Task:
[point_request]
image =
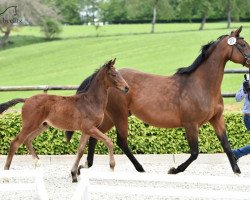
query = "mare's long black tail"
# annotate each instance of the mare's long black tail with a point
(6, 105)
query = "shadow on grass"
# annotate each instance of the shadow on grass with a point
(24, 40)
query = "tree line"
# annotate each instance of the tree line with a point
(47, 13)
(139, 11)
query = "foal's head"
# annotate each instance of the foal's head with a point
(239, 51)
(113, 78)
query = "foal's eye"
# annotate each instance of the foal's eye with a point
(243, 45)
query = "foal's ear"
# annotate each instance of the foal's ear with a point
(109, 64)
(237, 32)
(113, 62)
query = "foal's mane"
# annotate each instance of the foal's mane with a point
(206, 51)
(86, 83)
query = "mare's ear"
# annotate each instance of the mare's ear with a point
(236, 33)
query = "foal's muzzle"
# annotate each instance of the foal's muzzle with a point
(126, 89)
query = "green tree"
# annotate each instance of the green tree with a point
(91, 9)
(204, 9)
(51, 28)
(195, 9)
(113, 10)
(185, 9)
(68, 9)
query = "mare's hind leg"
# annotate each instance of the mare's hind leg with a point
(28, 143)
(218, 124)
(83, 141)
(192, 138)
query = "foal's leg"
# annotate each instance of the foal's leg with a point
(28, 143)
(19, 139)
(94, 132)
(83, 141)
(218, 124)
(192, 138)
(106, 125)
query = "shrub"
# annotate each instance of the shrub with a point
(51, 28)
(142, 139)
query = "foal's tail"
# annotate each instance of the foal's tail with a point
(6, 105)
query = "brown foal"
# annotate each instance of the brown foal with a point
(83, 112)
(189, 98)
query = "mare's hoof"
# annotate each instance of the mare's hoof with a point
(86, 165)
(172, 171)
(140, 169)
(237, 170)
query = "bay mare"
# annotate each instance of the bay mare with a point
(83, 112)
(189, 98)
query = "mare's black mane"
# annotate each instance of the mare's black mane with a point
(206, 50)
(86, 83)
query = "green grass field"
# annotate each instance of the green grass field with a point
(78, 51)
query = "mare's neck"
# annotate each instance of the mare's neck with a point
(211, 70)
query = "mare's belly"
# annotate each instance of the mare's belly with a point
(158, 118)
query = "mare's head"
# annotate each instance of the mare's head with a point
(238, 48)
(113, 78)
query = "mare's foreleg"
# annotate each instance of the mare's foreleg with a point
(83, 141)
(192, 138)
(91, 152)
(218, 124)
(122, 142)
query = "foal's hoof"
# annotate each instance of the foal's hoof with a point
(6, 180)
(38, 163)
(74, 177)
(79, 169)
(112, 164)
(172, 171)
(74, 180)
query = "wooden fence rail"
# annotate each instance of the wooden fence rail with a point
(45, 88)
